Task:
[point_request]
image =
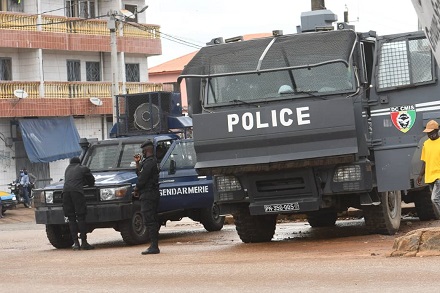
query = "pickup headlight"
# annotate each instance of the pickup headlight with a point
(48, 196)
(227, 183)
(113, 193)
(347, 173)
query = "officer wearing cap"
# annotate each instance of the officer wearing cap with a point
(147, 188)
(431, 163)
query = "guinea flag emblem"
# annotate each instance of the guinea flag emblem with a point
(403, 117)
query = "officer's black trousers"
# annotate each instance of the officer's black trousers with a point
(149, 204)
(75, 209)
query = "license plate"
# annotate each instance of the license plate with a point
(283, 207)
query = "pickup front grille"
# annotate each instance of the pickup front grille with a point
(92, 195)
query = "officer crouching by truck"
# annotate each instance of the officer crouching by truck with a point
(147, 189)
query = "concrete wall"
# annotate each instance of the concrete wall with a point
(129, 58)
(27, 66)
(102, 7)
(143, 65)
(56, 7)
(55, 64)
(7, 156)
(24, 63)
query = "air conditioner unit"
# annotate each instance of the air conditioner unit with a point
(146, 113)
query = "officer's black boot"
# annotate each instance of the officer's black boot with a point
(154, 237)
(83, 233)
(74, 233)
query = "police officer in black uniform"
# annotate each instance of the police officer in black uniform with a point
(147, 188)
(74, 201)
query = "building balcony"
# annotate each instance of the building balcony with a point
(64, 98)
(21, 30)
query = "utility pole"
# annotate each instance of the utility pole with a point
(318, 4)
(111, 24)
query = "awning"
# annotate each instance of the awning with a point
(50, 139)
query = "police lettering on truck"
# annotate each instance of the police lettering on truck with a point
(184, 190)
(283, 117)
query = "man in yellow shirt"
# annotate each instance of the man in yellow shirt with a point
(431, 163)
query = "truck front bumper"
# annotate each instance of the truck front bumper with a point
(95, 213)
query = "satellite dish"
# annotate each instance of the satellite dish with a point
(144, 119)
(21, 94)
(127, 13)
(96, 101)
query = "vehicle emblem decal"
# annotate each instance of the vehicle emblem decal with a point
(403, 117)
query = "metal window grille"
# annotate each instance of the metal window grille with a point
(13, 6)
(421, 61)
(132, 72)
(5, 69)
(403, 63)
(393, 65)
(93, 72)
(80, 8)
(73, 70)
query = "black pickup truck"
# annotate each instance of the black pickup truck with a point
(110, 203)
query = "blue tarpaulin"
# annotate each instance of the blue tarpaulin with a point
(50, 139)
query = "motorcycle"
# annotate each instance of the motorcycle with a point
(17, 189)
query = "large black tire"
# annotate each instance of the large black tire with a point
(384, 218)
(424, 206)
(59, 235)
(133, 231)
(211, 219)
(254, 229)
(322, 218)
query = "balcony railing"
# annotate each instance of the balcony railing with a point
(62, 24)
(65, 90)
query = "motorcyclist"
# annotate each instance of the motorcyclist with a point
(32, 179)
(24, 182)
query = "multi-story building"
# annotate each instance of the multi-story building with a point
(55, 55)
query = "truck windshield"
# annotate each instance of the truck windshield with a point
(107, 157)
(287, 84)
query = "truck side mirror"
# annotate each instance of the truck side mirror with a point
(172, 169)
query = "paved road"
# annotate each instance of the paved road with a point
(300, 259)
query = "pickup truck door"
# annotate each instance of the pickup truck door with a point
(180, 185)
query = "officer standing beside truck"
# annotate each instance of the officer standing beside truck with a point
(431, 163)
(74, 201)
(147, 188)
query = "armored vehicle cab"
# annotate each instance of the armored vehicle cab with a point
(314, 123)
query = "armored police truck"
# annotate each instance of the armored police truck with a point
(110, 203)
(314, 123)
